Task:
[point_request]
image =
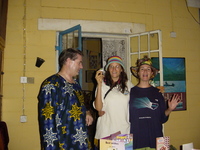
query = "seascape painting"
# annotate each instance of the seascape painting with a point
(174, 78)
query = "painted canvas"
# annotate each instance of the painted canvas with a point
(174, 78)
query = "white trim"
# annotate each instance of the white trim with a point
(57, 65)
(91, 26)
(148, 51)
(101, 29)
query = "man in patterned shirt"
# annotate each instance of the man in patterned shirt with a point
(62, 115)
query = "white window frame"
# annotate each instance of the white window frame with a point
(148, 51)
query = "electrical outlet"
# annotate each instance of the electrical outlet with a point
(23, 118)
(30, 80)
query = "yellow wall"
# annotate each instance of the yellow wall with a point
(169, 15)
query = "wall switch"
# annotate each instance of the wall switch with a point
(23, 118)
(23, 79)
(173, 34)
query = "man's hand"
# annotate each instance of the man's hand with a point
(89, 118)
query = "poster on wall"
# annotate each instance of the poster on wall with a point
(174, 78)
(114, 47)
(93, 61)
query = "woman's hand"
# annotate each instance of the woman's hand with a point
(174, 101)
(98, 99)
(99, 76)
(101, 113)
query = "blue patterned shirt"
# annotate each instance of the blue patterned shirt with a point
(61, 115)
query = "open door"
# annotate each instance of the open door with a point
(147, 43)
(70, 38)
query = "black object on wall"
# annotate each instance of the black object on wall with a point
(39, 62)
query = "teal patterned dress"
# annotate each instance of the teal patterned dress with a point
(61, 115)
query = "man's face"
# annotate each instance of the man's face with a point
(76, 65)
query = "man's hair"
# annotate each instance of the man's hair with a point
(68, 53)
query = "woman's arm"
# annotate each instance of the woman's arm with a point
(98, 99)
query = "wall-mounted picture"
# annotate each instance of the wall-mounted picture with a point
(174, 78)
(93, 64)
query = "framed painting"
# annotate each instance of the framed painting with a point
(174, 78)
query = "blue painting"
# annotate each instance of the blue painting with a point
(174, 78)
